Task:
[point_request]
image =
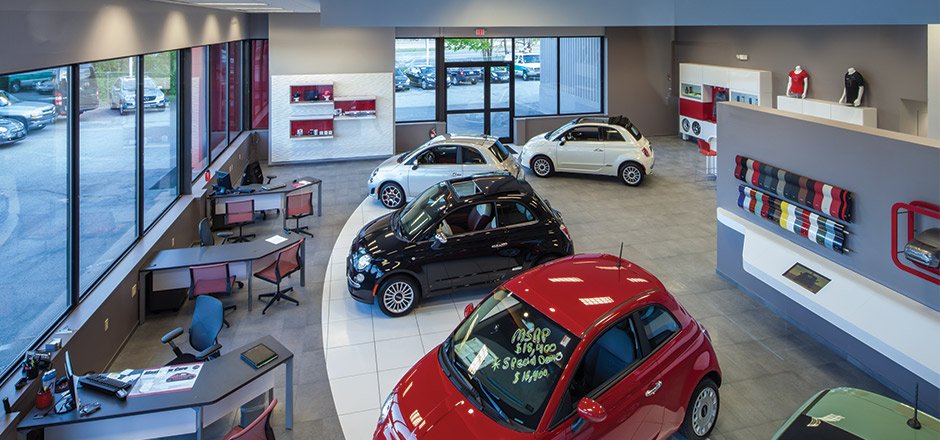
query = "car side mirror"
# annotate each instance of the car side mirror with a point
(415, 166)
(561, 141)
(439, 239)
(468, 310)
(591, 411)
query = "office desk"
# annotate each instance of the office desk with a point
(264, 200)
(224, 384)
(176, 262)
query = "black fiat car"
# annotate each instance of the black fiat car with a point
(469, 232)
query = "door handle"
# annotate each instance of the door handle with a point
(599, 150)
(455, 174)
(654, 389)
(499, 245)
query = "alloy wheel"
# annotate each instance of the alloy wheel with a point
(391, 196)
(541, 166)
(704, 411)
(631, 174)
(398, 297)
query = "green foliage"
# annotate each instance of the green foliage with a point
(482, 45)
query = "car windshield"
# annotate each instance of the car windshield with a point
(635, 132)
(7, 99)
(554, 134)
(514, 354)
(422, 211)
(427, 70)
(500, 151)
(530, 59)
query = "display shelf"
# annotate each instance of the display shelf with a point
(691, 91)
(311, 94)
(350, 118)
(305, 138)
(327, 117)
(865, 116)
(311, 128)
(313, 103)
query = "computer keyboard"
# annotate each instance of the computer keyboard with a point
(105, 384)
(273, 187)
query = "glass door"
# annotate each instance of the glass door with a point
(479, 99)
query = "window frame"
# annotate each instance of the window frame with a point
(438, 43)
(499, 225)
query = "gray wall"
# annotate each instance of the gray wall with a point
(878, 166)
(933, 80)
(624, 12)
(299, 45)
(893, 59)
(410, 135)
(46, 33)
(639, 77)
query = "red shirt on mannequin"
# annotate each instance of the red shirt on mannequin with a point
(796, 81)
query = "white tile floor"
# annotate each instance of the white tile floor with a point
(367, 353)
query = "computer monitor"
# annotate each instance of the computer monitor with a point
(69, 402)
(223, 182)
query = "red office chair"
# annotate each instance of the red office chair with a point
(298, 206)
(259, 429)
(239, 214)
(288, 261)
(214, 280)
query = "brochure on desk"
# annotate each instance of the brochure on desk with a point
(168, 379)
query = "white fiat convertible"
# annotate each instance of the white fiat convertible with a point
(407, 175)
(593, 145)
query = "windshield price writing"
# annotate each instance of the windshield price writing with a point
(533, 354)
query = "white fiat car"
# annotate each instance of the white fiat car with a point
(593, 145)
(447, 156)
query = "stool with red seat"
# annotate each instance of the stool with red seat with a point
(711, 164)
(259, 429)
(214, 280)
(288, 261)
(298, 206)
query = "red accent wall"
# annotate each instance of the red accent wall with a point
(695, 109)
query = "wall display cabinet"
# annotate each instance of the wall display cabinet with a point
(703, 86)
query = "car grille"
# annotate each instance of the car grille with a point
(149, 98)
(48, 112)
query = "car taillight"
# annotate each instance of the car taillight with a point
(58, 99)
(646, 152)
(564, 229)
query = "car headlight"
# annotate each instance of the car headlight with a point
(36, 114)
(363, 261)
(386, 407)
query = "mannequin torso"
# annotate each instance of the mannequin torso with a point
(797, 82)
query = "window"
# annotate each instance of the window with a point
(218, 105)
(580, 75)
(260, 78)
(469, 219)
(234, 90)
(472, 157)
(536, 76)
(108, 172)
(585, 134)
(161, 134)
(415, 94)
(658, 324)
(34, 209)
(439, 155)
(509, 214)
(477, 49)
(612, 134)
(199, 112)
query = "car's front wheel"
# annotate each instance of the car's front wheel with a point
(702, 412)
(391, 195)
(631, 173)
(542, 166)
(398, 296)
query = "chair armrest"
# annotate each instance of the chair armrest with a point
(203, 355)
(173, 334)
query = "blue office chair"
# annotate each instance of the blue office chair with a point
(203, 332)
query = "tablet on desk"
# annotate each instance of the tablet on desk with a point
(259, 356)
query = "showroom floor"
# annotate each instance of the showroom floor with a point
(667, 226)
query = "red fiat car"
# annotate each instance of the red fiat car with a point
(585, 347)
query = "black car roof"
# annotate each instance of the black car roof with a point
(492, 184)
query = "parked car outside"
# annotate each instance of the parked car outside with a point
(11, 131)
(591, 145)
(851, 413)
(406, 175)
(32, 114)
(464, 75)
(45, 87)
(18, 82)
(124, 92)
(527, 65)
(499, 74)
(460, 233)
(401, 81)
(87, 86)
(422, 77)
(584, 347)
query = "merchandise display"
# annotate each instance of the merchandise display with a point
(797, 82)
(920, 243)
(827, 199)
(406, 175)
(800, 221)
(591, 145)
(454, 235)
(620, 347)
(854, 88)
(703, 86)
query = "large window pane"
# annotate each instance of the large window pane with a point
(161, 133)
(199, 112)
(259, 84)
(33, 206)
(477, 49)
(234, 89)
(580, 75)
(108, 171)
(415, 94)
(536, 76)
(218, 102)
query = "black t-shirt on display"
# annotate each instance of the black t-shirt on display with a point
(852, 83)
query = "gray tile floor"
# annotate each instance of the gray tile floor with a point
(667, 226)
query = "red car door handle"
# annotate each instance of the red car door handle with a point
(656, 386)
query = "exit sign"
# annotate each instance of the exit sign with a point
(480, 32)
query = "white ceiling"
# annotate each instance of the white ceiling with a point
(253, 6)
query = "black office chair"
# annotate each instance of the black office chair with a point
(255, 175)
(205, 234)
(203, 332)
